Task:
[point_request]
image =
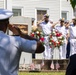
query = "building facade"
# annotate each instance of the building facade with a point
(36, 9)
(7, 4)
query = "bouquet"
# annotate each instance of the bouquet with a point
(38, 34)
(56, 39)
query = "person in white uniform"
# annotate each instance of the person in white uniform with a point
(46, 29)
(12, 46)
(62, 49)
(67, 24)
(71, 68)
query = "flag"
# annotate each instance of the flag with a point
(57, 65)
(42, 63)
(52, 65)
(32, 66)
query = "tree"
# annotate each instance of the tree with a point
(73, 3)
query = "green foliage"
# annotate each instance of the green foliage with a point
(73, 3)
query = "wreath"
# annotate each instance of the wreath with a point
(37, 34)
(56, 39)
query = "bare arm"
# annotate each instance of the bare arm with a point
(38, 23)
(53, 25)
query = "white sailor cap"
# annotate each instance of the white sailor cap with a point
(51, 20)
(46, 15)
(5, 14)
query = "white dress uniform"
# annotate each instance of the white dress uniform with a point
(62, 49)
(46, 28)
(10, 52)
(71, 68)
(11, 48)
(72, 40)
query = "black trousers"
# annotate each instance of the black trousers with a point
(33, 56)
(71, 68)
(68, 49)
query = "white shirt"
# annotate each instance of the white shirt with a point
(62, 30)
(10, 52)
(46, 27)
(72, 40)
(72, 32)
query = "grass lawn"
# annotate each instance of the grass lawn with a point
(44, 73)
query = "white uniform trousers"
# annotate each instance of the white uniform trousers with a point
(47, 53)
(72, 46)
(62, 51)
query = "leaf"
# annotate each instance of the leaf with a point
(73, 3)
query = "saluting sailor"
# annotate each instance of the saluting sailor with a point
(46, 27)
(62, 49)
(11, 47)
(67, 24)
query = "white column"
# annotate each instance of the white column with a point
(60, 7)
(4, 4)
(35, 23)
(8, 4)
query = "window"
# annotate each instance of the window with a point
(17, 12)
(40, 14)
(64, 15)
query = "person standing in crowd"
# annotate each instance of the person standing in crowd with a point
(62, 49)
(33, 28)
(68, 39)
(71, 68)
(46, 27)
(12, 46)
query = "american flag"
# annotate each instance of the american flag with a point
(52, 65)
(57, 65)
(32, 66)
(42, 63)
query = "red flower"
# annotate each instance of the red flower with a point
(42, 39)
(50, 46)
(32, 34)
(52, 41)
(38, 35)
(58, 34)
(55, 44)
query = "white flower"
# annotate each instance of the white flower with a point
(57, 42)
(50, 43)
(53, 32)
(62, 41)
(60, 37)
(37, 32)
(41, 33)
